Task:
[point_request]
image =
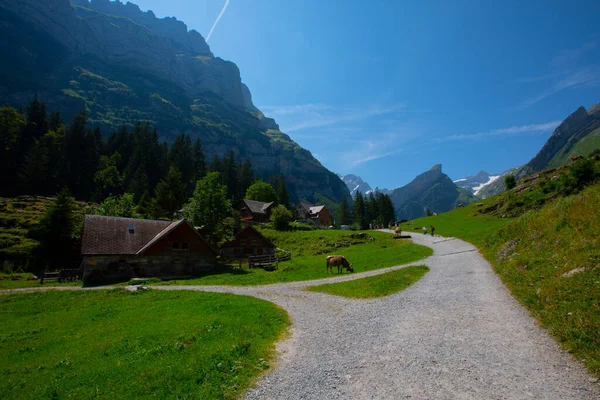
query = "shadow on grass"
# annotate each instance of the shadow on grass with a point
(122, 281)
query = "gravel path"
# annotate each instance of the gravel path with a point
(455, 334)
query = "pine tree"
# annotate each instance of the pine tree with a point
(199, 163)
(76, 146)
(359, 210)
(56, 233)
(282, 192)
(245, 179)
(12, 123)
(181, 157)
(170, 192)
(36, 127)
(34, 172)
(344, 212)
(231, 176)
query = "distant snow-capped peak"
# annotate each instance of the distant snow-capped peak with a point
(476, 182)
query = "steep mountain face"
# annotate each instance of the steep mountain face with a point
(573, 129)
(355, 183)
(476, 183)
(431, 190)
(123, 65)
(579, 134)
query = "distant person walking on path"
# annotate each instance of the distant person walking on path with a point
(424, 230)
(432, 230)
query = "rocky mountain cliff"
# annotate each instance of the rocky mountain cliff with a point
(123, 65)
(431, 190)
(578, 134)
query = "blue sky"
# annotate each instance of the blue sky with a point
(386, 89)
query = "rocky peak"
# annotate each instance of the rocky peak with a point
(168, 27)
(560, 137)
(594, 110)
(431, 190)
(356, 184)
(573, 121)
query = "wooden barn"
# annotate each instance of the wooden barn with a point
(318, 214)
(122, 248)
(252, 211)
(248, 242)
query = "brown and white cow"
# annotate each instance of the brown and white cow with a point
(340, 262)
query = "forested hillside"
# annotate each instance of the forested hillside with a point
(39, 154)
(124, 66)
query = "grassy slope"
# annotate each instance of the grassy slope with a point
(113, 344)
(583, 147)
(464, 223)
(533, 251)
(309, 249)
(532, 254)
(17, 216)
(374, 286)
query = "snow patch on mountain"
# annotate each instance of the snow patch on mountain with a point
(477, 189)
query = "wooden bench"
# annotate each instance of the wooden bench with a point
(49, 276)
(64, 275)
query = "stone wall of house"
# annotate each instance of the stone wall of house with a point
(103, 268)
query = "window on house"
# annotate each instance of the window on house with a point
(181, 246)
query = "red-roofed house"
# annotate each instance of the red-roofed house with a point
(122, 248)
(318, 214)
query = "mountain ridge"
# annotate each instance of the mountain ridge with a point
(567, 140)
(76, 56)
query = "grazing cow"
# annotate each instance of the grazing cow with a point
(575, 158)
(340, 262)
(398, 231)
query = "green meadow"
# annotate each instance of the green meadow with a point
(374, 286)
(367, 251)
(116, 344)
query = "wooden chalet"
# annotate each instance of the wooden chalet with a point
(248, 242)
(318, 214)
(122, 248)
(252, 211)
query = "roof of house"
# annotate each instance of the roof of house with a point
(160, 235)
(316, 209)
(124, 236)
(244, 232)
(305, 206)
(257, 207)
(310, 209)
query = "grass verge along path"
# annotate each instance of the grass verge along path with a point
(548, 257)
(117, 344)
(374, 286)
(382, 252)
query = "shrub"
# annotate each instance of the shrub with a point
(510, 182)
(281, 217)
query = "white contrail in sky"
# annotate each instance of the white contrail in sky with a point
(217, 20)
